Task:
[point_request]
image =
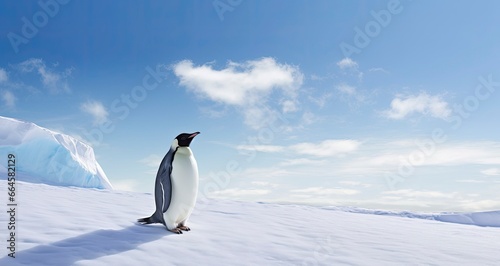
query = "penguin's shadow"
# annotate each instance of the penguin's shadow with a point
(88, 246)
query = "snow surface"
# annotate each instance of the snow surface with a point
(77, 226)
(489, 218)
(45, 156)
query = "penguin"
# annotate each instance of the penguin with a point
(176, 186)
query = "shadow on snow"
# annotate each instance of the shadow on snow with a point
(88, 246)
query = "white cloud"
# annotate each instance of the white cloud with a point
(322, 191)
(125, 185)
(350, 95)
(265, 172)
(308, 118)
(264, 184)
(471, 181)
(378, 69)
(244, 85)
(261, 148)
(97, 110)
(382, 158)
(491, 171)
(321, 100)
(213, 111)
(419, 194)
(346, 89)
(257, 117)
(347, 63)
(3, 75)
(327, 148)
(54, 81)
(9, 99)
(289, 106)
(423, 103)
(235, 192)
(316, 77)
(239, 83)
(480, 205)
(354, 183)
(467, 153)
(152, 160)
(302, 161)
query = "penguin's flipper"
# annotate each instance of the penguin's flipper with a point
(163, 190)
(163, 187)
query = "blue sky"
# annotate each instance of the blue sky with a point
(375, 104)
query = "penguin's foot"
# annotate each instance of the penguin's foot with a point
(176, 231)
(183, 228)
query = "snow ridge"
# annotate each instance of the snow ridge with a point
(488, 218)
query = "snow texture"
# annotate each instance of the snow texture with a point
(45, 156)
(77, 226)
(489, 218)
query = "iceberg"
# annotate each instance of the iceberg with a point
(46, 156)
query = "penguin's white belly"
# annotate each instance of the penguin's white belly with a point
(184, 179)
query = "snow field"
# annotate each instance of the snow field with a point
(77, 226)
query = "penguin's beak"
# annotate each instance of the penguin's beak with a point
(193, 135)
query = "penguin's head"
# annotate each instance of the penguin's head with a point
(184, 139)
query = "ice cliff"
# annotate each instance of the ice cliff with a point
(45, 156)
